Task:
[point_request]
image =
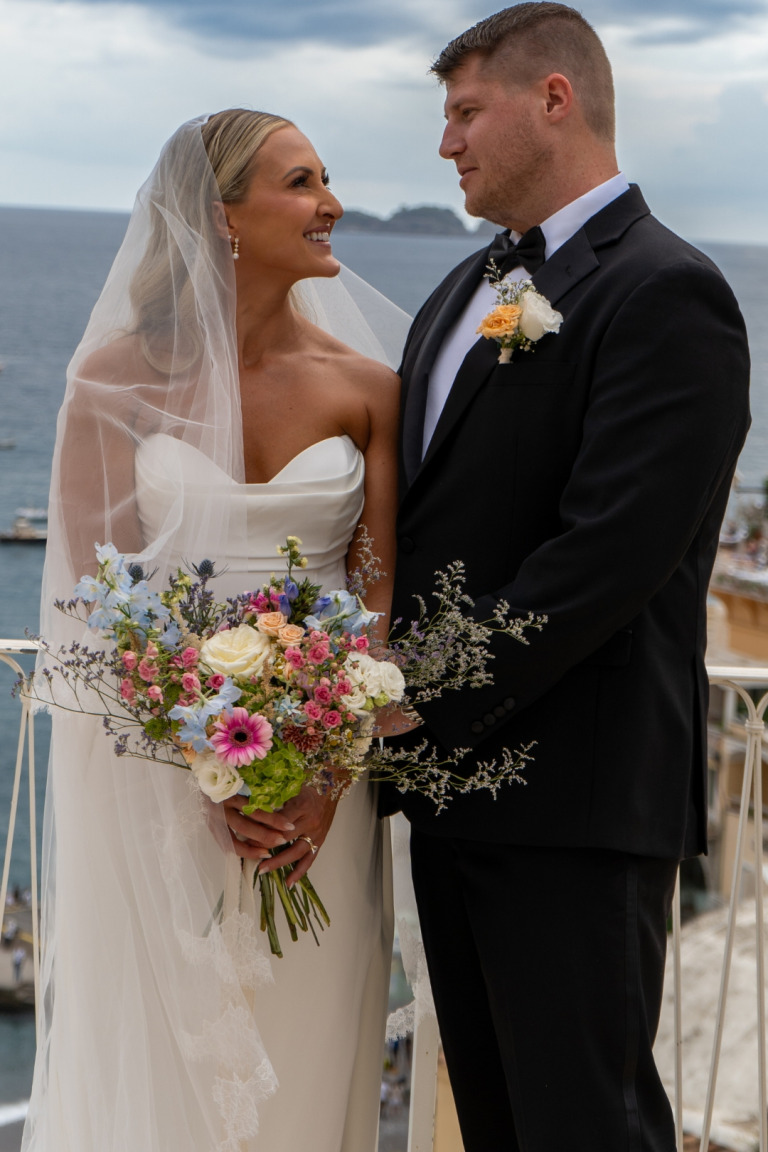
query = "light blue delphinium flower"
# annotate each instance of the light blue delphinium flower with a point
(224, 700)
(170, 637)
(343, 607)
(112, 567)
(194, 717)
(192, 730)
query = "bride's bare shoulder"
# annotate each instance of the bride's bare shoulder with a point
(350, 364)
(121, 361)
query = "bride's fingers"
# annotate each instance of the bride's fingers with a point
(300, 853)
(274, 820)
(246, 829)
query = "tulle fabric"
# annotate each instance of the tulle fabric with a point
(148, 1039)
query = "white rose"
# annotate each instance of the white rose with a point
(217, 780)
(538, 316)
(363, 670)
(379, 676)
(239, 652)
(391, 680)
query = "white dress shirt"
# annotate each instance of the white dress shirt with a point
(463, 334)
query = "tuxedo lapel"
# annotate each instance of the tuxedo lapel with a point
(572, 263)
(417, 378)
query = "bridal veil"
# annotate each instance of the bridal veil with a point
(148, 1041)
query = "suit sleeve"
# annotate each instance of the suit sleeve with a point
(666, 418)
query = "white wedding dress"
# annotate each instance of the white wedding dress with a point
(320, 1016)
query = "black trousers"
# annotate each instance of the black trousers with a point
(547, 968)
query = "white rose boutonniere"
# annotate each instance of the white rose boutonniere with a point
(521, 317)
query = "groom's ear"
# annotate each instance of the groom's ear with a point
(220, 219)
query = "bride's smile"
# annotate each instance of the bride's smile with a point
(284, 221)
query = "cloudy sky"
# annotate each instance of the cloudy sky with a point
(91, 89)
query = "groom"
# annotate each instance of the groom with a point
(585, 480)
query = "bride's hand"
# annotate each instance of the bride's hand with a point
(312, 815)
(301, 824)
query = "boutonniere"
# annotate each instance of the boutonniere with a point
(521, 317)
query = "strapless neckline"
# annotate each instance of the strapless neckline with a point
(294, 460)
(294, 464)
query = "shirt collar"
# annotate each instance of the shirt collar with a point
(564, 223)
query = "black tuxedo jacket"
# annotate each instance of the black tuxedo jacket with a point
(586, 480)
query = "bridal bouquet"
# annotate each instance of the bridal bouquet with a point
(271, 690)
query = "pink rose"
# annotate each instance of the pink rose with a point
(323, 694)
(318, 637)
(313, 710)
(130, 660)
(127, 690)
(155, 692)
(215, 681)
(332, 719)
(147, 671)
(294, 657)
(342, 687)
(190, 682)
(318, 653)
(190, 657)
(361, 643)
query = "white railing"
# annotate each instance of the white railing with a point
(9, 649)
(738, 680)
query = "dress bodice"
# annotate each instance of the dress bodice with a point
(317, 496)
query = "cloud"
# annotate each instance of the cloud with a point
(229, 26)
(92, 89)
(338, 22)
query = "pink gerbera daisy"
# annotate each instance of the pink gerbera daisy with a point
(240, 738)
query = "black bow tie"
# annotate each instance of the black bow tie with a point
(529, 251)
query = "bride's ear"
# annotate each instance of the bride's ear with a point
(220, 219)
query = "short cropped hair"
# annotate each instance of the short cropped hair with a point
(532, 40)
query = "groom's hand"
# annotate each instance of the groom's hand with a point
(394, 722)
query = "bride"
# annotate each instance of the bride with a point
(212, 409)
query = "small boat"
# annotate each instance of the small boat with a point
(7, 442)
(32, 513)
(24, 531)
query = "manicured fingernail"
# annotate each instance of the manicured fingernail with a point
(290, 827)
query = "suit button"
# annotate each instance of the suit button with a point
(477, 727)
(509, 703)
(489, 719)
(407, 545)
(500, 711)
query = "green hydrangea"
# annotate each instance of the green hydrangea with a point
(275, 779)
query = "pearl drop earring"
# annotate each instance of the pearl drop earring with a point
(235, 242)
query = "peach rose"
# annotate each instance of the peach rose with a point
(503, 321)
(270, 623)
(289, 635)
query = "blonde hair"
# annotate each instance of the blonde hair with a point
(232, 140)
(181, 194)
